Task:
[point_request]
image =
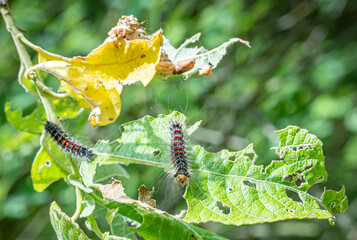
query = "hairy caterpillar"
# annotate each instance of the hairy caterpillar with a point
(178, 153)
(66, 142)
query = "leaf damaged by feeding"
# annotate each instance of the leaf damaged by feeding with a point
(192, 61)
(145, 196)
(335, 201)
(250, 184)
(115, 192)
(254, 193)
(224, 208)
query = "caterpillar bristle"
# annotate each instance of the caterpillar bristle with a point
(66, 142)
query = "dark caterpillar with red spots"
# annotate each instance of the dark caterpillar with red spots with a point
(178, 153)
(67, 143)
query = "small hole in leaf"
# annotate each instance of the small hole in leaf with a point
(192, 236)
(289, 210)
(232, 158)
(300, 181)
(293, 195)
(309, 167)
(288, 178)
(230, 189)
(319, 179)
(250, 184)
(300, 147)
(332, 204)
(250, 156)
(224, 208)
(156, 153)
(110, 119)
(48, 163)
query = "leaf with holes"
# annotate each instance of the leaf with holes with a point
(227, 186)
(48, 167)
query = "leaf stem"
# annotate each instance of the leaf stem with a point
(94, 226)
(79, 197)
(79, 204)
(97, 198)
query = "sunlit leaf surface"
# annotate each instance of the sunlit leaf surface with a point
(227, 186)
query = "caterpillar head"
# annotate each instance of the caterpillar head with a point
(181, 179)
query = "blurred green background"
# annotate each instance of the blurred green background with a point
(301, 70)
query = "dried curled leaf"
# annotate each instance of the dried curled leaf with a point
(115, 192)
(193, 61)
(99, 77)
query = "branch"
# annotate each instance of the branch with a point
(17, 36)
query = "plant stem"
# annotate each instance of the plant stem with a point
(79, 197)
(23, 54)
(25, 58)
(94, 226)
(79, 204)
(97, 198)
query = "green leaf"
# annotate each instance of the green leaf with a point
(66, 107)
(227, 186)
(119, 226)
(204, 60)
(88, 207)
(335, 202)
(91, 171)
(106, 236)
(74, 181)
(32, 123)
(64, 226)
(105, 172)
(148, 222)
(46, 168)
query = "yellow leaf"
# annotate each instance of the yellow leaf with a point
(99, 77)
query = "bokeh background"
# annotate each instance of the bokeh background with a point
(301, 70)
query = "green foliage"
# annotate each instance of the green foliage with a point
(46, 168)
(153, 223)
(300, 71)
(32, 123)
(64, 226)
(227, 186)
